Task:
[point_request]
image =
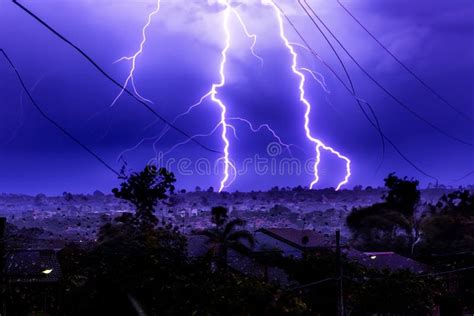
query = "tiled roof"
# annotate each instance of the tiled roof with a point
(25, 266)
(386, 260)
(302, 239)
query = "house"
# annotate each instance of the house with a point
(239, 260)
(386, 261)
(294, 242)
(291, 241)
(31, 266)
(30, 280)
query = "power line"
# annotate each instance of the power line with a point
(52, 121)
(103, 72)
(447, 272)
(467, 175)
(311, 284)
(378, 84)
(410, 71)
(308, 47)
(353, 91)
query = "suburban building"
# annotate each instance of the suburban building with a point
(30, 280)
(294, 242)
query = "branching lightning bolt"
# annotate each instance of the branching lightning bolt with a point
(248, 34)
(295, 69)
(261, 127)
(133, 58)
(212, 94)
(319, 78)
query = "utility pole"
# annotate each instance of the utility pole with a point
(340, 299)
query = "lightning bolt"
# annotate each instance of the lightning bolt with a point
(253, 37)
(261, 127)
(133, 58)
(212, 132)
(212, 94)
(319, 78)
(229, 170)
(302, 97)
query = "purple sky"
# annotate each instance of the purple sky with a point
(180, 62)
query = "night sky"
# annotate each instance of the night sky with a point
(180, 62)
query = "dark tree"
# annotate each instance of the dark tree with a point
(366, 291)
(403, 194)
(392, 224)
(450, 228)
(226, 234)
(219, 215)
(145, 189)
(398, 292)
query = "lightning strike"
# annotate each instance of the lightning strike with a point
(212, 94)
(214, 97)
(229, 169)
(188, 140)
(302, 96)
(253, 37)
(319, 78)
(133, 58)
(264, 126)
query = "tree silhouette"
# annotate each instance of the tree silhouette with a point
(391, 224)
(403, 194)
(219, 215)
(449, 229)
(226, 234)
(144, 190)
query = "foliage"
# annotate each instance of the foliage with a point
(450, 227)
(208, 292)
(395, 292)
(403, 194)
(226, 234)
(219, 215)
(315, 267)
(120, 265)
(153, 270)
(145, 189)
(137, 263)
(365, 291)
(391, 224)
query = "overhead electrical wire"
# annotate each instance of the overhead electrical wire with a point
(54, 122)
(388, 140)
(382, 87)
(404, 66)
(353, 92)
(109, 77)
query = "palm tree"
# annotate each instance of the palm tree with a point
(226, 234)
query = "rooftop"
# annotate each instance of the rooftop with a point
(300, 238)
(386, 260)
(28, 266)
